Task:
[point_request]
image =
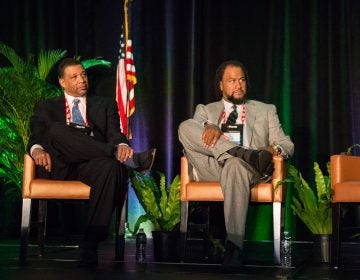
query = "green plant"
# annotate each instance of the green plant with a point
(160, 203)
(21, 85)
(314, 209)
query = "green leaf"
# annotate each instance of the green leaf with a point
(141, 219)
(164, 196)
(323, 193)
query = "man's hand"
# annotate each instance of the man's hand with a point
(210, 135)
(42, 158)
(124, 152)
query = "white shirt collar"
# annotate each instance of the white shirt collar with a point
(229, 106)
(71, 98)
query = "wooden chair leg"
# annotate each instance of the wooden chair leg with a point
(120, 232)
(277, 230)
(42, 214)
(25, 224)
(336, 236)
(183, 229)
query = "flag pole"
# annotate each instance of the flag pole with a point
(126, 20)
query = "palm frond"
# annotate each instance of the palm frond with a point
(88, 63)
(47, 60)
(16, 61)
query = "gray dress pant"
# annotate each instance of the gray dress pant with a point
(215, 164)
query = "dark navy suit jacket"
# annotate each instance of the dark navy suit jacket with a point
(102, 117)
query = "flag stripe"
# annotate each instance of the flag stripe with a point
(125, 77)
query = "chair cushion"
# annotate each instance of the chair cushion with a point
(347, 191)
(211, 191)
(53, 189)
(204, 191)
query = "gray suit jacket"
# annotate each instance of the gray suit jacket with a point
(262, 123)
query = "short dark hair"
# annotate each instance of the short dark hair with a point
(68, 61)
(220, 73)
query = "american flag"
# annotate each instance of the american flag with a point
(125, 78)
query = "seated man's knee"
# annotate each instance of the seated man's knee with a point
(234, 164)
(187, 129)
(183, 127)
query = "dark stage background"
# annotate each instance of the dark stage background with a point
(303, 56)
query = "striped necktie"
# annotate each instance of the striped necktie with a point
(75, 113)
(233, 116)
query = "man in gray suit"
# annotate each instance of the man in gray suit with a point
(233, 141)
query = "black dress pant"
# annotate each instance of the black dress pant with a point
(78, 156)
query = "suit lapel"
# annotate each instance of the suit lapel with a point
(218, 112)
(92, 112)
(57, 109)
(90, 108)
(250, 119)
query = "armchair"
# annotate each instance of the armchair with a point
(46, 189)
(211, 191)
(345, 188)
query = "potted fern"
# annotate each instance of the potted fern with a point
(312, 204)
(162, 207)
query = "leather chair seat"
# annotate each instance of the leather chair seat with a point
(211, 191)
(346, 192)
(54, 189)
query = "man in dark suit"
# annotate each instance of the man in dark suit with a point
(78, 137)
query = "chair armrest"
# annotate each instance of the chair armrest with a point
(28, 175)
(278, 175)
(184, 174)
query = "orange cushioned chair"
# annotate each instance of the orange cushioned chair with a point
(211, 191)
(46, 189)
(345, 187)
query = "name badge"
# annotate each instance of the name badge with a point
(233, 132)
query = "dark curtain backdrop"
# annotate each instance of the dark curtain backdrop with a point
(303, 56)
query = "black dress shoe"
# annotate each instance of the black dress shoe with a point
(142, 162)
(261, 160)
(233, 259)
(88, 258)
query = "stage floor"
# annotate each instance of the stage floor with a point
(59, 262)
